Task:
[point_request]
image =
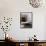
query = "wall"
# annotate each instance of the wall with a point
(12, 8)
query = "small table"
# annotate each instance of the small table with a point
(27, 42)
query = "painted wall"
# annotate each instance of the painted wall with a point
(12, 8)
